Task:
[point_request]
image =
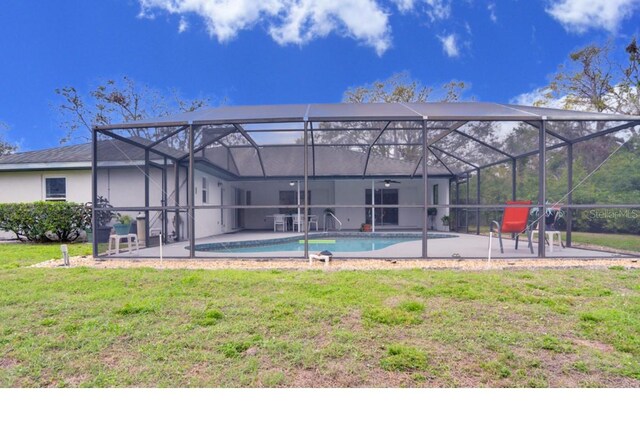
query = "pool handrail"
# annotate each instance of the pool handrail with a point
(334, 217)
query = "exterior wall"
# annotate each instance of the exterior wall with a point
(410, 193)
(29, 186)
(210, 222)
(344, 192)
(124, 187)
(268, 193)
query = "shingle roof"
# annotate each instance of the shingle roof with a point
(243, 161)
(329, 161)
(70, 153)
(108, 150)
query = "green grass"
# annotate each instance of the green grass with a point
(231, 328)
(627, 242)
(403, 358)
(14, 255)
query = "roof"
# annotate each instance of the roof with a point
(80, 154)
(239, 161)
(324, 161)
(371, 111)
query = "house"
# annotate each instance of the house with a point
(64, 173)
(218, 178)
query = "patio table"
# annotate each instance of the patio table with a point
(291, 216)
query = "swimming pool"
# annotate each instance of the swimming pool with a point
(356, 242)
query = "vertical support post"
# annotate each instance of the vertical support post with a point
(147, 217)
(164, 201)
(373, 205)
(191, 197)
(94, 190)
(466, 211)
(298, 204)
(425, 190)
(457, 210)
(176, 197)
(478, 203)
(569, 194)
(542, 187)
(514, 177)
(306, 189)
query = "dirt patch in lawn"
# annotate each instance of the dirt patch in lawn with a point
(7, 362)
(596, 345)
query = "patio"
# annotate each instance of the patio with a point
(464, 245)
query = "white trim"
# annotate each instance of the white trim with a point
(44, 187)
(65, 165)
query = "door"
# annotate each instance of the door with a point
(384, 215)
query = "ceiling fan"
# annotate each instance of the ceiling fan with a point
(388, 182)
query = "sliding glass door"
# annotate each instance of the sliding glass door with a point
(384, 215)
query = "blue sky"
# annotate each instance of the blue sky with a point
(286, 51)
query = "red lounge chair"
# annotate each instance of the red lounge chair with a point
(514, 220)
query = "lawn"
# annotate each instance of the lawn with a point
(14, 255)
(627, 242)
(232, 328)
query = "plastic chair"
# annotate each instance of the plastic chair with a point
(279, 219)
(313, 219)
(298, 222)
(514, 220)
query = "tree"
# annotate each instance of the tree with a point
(400, 88)
(117, 101)
(399, 140)
(6, 147)
(595, 80)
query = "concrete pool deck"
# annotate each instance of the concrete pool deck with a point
(458, 246)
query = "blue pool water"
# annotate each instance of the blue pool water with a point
(316, 244)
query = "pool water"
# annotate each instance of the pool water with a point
(333, 244)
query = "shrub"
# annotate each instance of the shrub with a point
(44, 221)
(103, 218)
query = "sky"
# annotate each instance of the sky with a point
(244, 52)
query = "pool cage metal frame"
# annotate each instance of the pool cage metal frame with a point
(235, 118)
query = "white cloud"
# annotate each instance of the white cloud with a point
(529, 98)
(450, 45)
(582, 15)
(492, 12)
(436, 10)
(183, 25)
(287, 21)
(404, 5)
(538, 98)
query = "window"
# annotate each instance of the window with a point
(289, 197)
(435, 194)
(55, 188)
(205, 191)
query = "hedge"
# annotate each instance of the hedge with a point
(45, 221)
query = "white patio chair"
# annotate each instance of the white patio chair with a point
(313, 219)
(279, 219)
(298, 222)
